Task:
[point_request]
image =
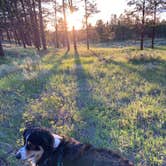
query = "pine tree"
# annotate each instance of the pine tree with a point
(73, 8)
(1, 48)
(155, 6)
(140, 7)
(90, 9)
(65, 24)
(56, 10)
(42, 33)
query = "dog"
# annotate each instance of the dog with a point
(43, 148)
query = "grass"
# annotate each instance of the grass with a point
(110, 97)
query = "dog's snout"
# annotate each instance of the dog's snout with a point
(18, 155)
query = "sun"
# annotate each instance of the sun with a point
(74, 19)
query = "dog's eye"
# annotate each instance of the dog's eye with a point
(30, 145)
(37, 148)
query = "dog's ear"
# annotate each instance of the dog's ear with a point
(28, 128)
(26, 132)
(48, 141)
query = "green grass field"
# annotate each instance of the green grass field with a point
(110, 97)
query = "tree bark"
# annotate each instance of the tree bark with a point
(154, 26)
(20, 23)
(142, 26)
(65, 26)
(43, 38)
(56, 25)
(74, 40)
(34, 23)
(1, 48)
(8, 36)
(27, 29)
(87, 29)
(17, 39)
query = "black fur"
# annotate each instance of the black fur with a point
(70, 152)
(39, 136)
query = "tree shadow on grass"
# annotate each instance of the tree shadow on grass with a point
(84, 97)
(151, 69)
(160, 48)
(28, 89)
(43, 52)
(89, 128)
(34, 87)
(16, 98)
(153, 72)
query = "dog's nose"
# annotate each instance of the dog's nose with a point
(18, 155)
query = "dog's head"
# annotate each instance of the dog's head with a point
(37, 141)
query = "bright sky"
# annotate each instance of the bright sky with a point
(106, 7)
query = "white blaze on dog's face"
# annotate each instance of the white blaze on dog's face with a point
(36, 142)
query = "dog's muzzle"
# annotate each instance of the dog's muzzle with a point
(21, 154)
(18, 155)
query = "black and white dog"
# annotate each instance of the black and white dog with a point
(43, 148)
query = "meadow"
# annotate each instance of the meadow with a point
(110, 97)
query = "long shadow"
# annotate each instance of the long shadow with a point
(160, 48)
(27, 90)
(84, 97)
(88, 108)
(87, 104)
(38, 84)
(151, 73)
(35, 87)
(17, 98)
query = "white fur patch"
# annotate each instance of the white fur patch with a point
(22, 151)
(57, 140)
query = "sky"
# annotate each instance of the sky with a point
(109, 7)
(106, 8)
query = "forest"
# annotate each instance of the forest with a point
(24, 23)
(66, 66)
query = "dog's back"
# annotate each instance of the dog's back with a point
(86, 155)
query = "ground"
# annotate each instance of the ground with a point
(110, 97)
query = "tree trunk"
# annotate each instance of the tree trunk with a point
(2, 37)
(5, 20)
(65, 26)
(74, 40)
(27, 31)
(20, 24)
(56, 26)
(17, 39)
(8, 36)
(87, 28)
(43, 39)
(1, 48)
(36, 26)
(34, 23)
(142, 26)
(56, 35)
(154, 27)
